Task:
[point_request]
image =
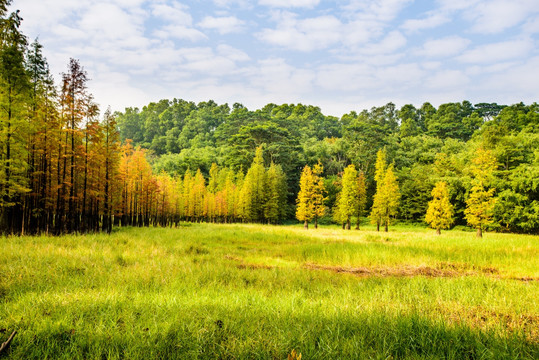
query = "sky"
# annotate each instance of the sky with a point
(340, 55)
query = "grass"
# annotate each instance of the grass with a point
(250, 291)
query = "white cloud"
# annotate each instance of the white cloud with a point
(433, 20)
(381, 10)
(232, 53)
(500, 51)
(444, 47)
(224, 25)
(389, 44)
(447, 80)
(177, 13)
(180, 32)
(498, 15)
(304, 35)
(289, 3)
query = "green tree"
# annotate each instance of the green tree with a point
(481, 201)
(319, 190)
(440, 211)
(348, 198)
(362, 197)
(377, 206)
(275, 201)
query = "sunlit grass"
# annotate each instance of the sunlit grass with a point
(251, 291)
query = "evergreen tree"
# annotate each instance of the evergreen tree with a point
(14, 127)
(319, 190)
(377, 206)
(305, 210)
(362, 196)
(348, 198)
(275, 194)
(386, 199)
(440, 211)
(481, 201)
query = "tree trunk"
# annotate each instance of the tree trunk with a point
(378, 226)
(348, 223)
(306, 225)
(316, 223)
(479, 233)
(438, 232)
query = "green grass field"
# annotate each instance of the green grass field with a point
(251, 291)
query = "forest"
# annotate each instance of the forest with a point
(68, 167)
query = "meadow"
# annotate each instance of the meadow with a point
(206, 291)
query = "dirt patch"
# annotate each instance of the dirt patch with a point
(443, 270)
(524, 279)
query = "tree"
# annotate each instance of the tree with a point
(386, 199)
(362, 197)
(305, 205)
(348, 198)
(480, 202)
(319, 190)
(275, 194)
(377, 206)
(440, 211)
(14, 127)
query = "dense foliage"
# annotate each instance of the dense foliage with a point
(424, 145)
(65, 169)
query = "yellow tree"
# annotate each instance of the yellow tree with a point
(318, 193)
(305, 205)
(386, 199)
(480, 202)
(440, 211)
(348, 197)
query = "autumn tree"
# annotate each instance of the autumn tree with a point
(481, 201)
(305, 210)
(440, 211)
(348, 197)
(386, 199)
(319, 190)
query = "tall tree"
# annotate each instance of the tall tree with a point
(14, 127)
(319, 190)
(348, 197)
(361, 196)
(440, 211)
(481, 201)
(75, 101)
(305, 205)
(275, 200)
(377, 206)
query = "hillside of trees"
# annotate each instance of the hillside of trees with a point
(425, 145)
(66, 167)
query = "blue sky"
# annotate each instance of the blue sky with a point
(340, 55)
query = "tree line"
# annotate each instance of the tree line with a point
(351, 200)
(65, 167)
(424, 145)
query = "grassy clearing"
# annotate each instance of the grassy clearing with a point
(246, 291)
